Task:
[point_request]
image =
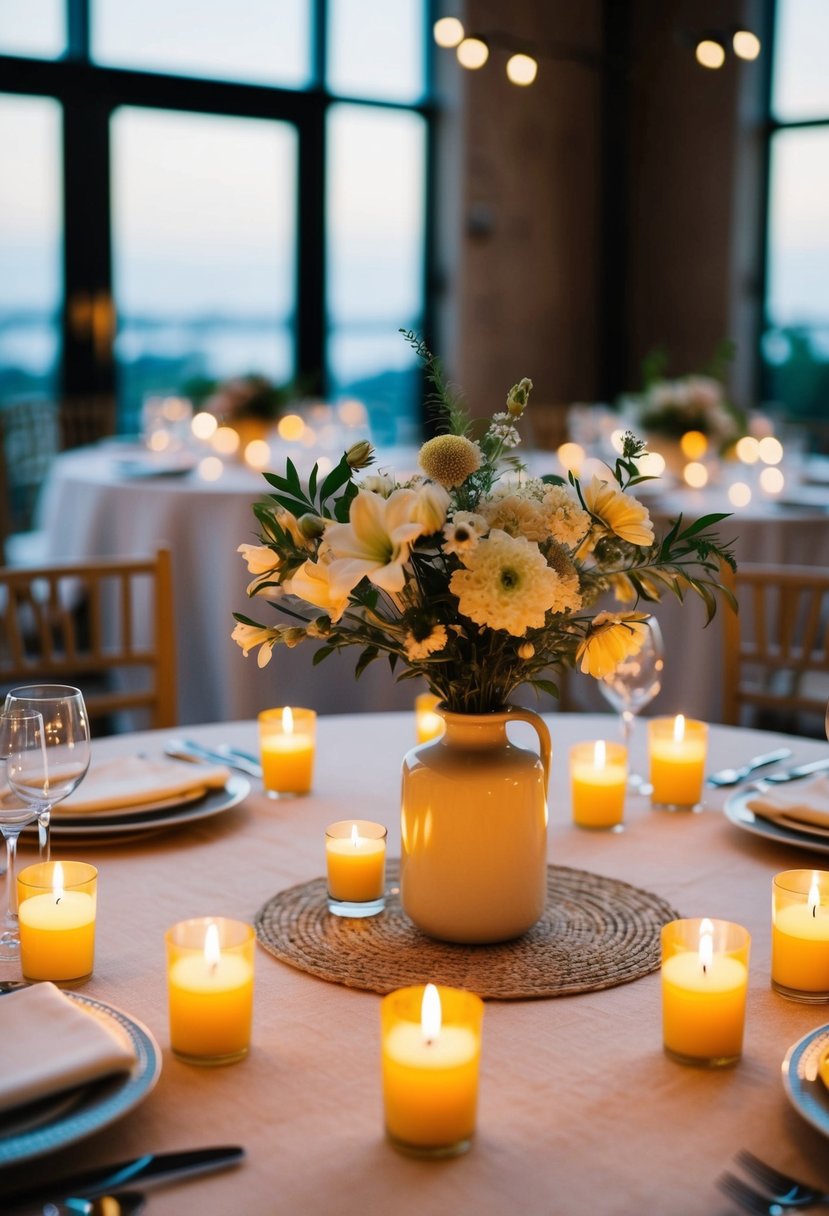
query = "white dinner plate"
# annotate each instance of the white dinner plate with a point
(138, 822)
(737, 812)
(801, 1080)
(94, 1106)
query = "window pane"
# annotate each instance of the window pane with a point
(33, 27)
(796, 348)
(31, 282)
(256, 41)
(801, 81)
(375, 221)
(204, 235)
(377, 49)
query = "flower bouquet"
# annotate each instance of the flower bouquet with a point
(671, 407)
(470, 573)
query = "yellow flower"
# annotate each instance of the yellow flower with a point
(375, 543)
(432, 505)
(611, 638)
(421, 648)
(620, 513)
(450, 459)
(311, 582)
(507, 584)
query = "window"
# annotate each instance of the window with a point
(246, 184)
(795, 345)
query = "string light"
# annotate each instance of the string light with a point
(448, 32)
(746, 45)
(522, 69)
(472, 53)
(710, 53)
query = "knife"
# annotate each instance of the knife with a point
(146, 1169)
(188, 749)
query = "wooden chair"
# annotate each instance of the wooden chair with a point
(85, 420)
(105, 626)
(777, 648)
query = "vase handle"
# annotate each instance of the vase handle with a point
(518, 713)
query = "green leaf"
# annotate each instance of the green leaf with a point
(337, 478)
(544, 686)
(368, 656)
(705, 521)
(322, 653)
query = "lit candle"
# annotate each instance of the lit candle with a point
(428, 724)
(210, 989)
(677, 748)
(704, 986)
(598, 778)
(431, 1043)
(355, 852)
(800, 934)
(286, 739)
(57, 903)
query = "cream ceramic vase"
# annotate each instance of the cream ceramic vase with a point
(473, 858)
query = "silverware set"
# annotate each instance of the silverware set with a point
(733, 776)
(780, 1192)
(222, 753)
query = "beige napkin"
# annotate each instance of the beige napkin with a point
(53, 1044)
(806, 806)
(134, 781)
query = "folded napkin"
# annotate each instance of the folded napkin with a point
(806, 806)
(54, 1044)
(134, 781)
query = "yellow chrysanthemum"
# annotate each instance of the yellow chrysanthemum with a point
(507, 584)
(620, 513)
(450, 459)
(612, 637)
(516, 516)
(564, 518)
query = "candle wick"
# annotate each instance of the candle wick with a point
(57, 901)
(704, 968)
(814, 910)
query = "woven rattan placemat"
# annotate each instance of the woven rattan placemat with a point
(595, 933)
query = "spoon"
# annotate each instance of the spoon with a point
(731, 776)
(120, 1203)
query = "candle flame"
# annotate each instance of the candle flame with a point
(814, 895)
(212, 952)
(58, 882)
(706, 943)
(287, 721)
(355, 839)
(679, 728)
(430, 1013)
(600, 754)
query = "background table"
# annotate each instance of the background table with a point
(580, 1110)
(92, 508)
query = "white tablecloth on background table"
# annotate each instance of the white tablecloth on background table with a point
(580, 1110)
(91, 509)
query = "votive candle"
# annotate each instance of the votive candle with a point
(355, 853)
(800, 935)
(428, 724)
(704, 987)
(431, 1050)
(287, 744)
(210, 988)
(677, 748)
(598, 780)
(56, 912)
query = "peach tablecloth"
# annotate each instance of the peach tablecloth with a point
(580, 1110)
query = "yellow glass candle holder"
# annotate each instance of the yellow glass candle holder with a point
(431, 1050)
(704, 986)
(287, 745)
(800, 935)
(677, 749)
(57, 903)
(210, 963)
(428, 724)
(355, 854)
(598, 782)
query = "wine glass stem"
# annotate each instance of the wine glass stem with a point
(627, 726)
(43, 833)
(11, 879)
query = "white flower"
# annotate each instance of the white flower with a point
(248, 636)
(464, 532)
(381, 483)
(507, 584)
(375, 543)
(312, 583)
(421, 649)
(431, 507)
(621, 513)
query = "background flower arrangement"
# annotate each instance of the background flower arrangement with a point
(697, 402)
(470, 574)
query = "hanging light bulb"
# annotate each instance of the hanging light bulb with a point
(472, 53)
(447, 31)
(746, 45)
(522, 69)
(710, 53)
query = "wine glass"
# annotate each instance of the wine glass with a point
(65, 752)
(20, 733)
(635, 682)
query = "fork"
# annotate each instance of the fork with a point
(783, 1187)
(751, 1200)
